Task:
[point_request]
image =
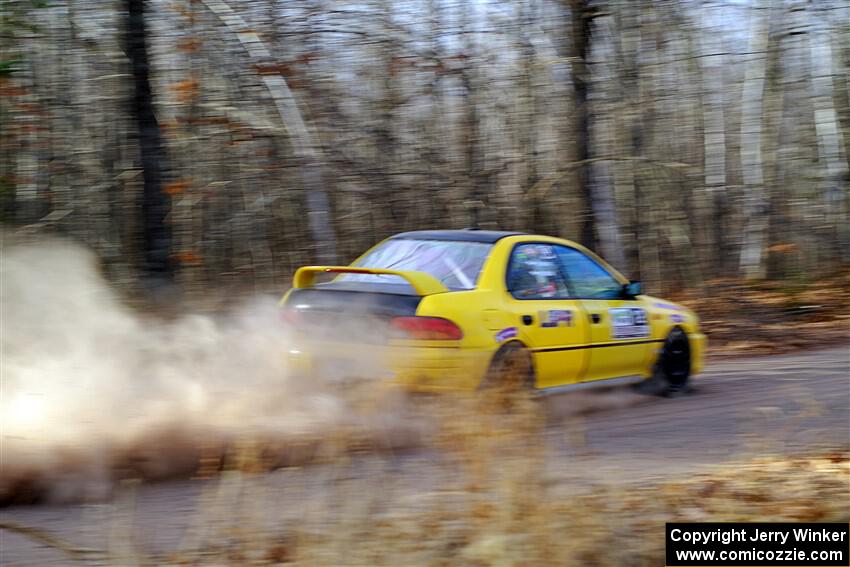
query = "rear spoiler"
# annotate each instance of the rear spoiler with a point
(422, 283)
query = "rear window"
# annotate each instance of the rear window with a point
(456, 264)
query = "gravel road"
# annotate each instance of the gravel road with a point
(738, 408)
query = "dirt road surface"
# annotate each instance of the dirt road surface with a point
(738, 409)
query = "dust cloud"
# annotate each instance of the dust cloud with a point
(93, 391)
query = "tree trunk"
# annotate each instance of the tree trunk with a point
(714, 147)
(472, 134)
(580, 35)
(841, 85)
(306, 150)
(752, 259)
(156, 234)
(841, 96)
(833, 164)
(599, 226)
(390, 199)
(528, 125)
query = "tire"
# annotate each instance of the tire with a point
(511, 369)
(671, 372)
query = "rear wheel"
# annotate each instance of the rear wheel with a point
(671, 372)
(511, 369)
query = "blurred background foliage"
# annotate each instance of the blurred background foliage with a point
(223, 143)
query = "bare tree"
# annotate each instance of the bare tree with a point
(600, 223)
(676, 142)
(155, 204)
(831, 155)
(753, 137)
(714, 138)
(309, 154)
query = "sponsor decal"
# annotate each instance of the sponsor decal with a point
(628, 323)
(506, 334)
(676, 318)
(556, 318)
(669, 306)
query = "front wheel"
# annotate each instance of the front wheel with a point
(671, 372)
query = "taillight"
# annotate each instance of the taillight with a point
(428, 328)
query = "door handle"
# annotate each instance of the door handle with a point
(595, 318)
(527, 319)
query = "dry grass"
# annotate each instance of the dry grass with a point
(484, 500)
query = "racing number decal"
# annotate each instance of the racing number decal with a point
(628, 323)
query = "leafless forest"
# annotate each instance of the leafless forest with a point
(225, 142)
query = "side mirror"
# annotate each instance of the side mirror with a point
(632, 289)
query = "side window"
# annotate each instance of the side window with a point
(534, 273)
(588, 279)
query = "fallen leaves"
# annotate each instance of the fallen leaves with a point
(189, 44)
(772, 317)
(186, 91)
(176, 187)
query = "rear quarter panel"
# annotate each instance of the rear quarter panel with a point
(468, 310)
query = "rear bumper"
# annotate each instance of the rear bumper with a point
(438, 369)
(425, 368)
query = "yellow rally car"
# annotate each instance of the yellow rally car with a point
(461, 309)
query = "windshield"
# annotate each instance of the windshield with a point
(455, 264)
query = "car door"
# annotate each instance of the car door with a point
(552, 324)
(619, 327)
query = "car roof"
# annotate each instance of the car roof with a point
(463, 235)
